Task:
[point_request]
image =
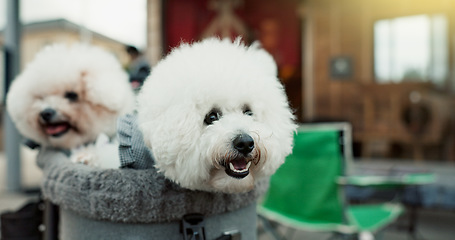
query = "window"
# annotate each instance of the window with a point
(413, 48)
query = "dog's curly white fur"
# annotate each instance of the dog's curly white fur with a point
(215, 116)
(68, 95)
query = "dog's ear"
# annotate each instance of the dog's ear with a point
(173, 135)
(179, 119)
(106, 82)
(14, 98)
(111, 90)
(18, 101)
(172, 127)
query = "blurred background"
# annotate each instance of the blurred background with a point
(385, 66)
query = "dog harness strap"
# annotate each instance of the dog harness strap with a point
(31, 144)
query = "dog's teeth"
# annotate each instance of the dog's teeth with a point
(232, 167)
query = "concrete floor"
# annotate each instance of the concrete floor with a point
(431, 225)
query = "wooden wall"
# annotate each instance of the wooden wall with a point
(334, 28)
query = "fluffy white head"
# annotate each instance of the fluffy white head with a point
(215, 116)
(68, 95)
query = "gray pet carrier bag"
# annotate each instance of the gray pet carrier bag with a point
(136, 202)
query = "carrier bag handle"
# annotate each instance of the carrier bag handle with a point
(192, 227)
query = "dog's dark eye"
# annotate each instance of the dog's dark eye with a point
(247, 111)
(212, 116)
(72, 96)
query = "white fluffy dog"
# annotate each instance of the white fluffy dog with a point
(215, 116)
(69, 95)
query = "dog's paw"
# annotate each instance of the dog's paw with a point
(86, 158)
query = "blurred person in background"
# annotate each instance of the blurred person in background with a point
(138, 68)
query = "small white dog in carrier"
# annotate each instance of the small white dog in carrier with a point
(215, 116)
(70, 96)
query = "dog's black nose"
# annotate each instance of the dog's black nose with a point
(243, 143)
(47, 114)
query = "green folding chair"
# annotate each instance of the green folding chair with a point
(304, 193)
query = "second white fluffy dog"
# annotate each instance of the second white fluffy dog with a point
(215, 116)
(69, 95)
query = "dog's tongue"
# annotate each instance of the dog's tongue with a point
(239, 164)
(56, 128)
(238, 168)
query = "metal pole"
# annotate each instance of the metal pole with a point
(12, 66)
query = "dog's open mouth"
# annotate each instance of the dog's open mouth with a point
(238, 168)
(56, 129)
